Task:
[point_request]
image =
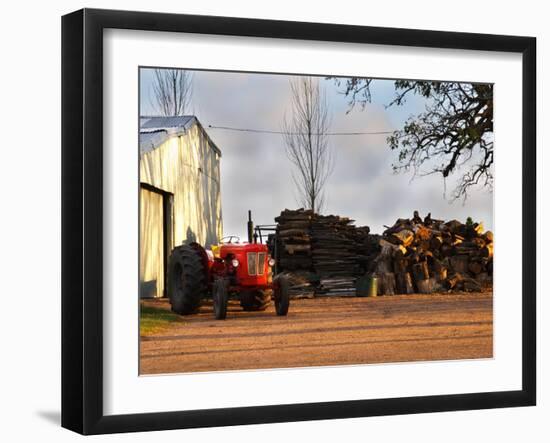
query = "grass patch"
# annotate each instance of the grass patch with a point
(153, 320)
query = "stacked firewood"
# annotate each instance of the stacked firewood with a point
(328, 249)
(302, 283)
(293, 239)
(327, 254)
(428, 255)
(335, 256)
(333, 249)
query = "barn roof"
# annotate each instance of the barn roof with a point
(154, 131)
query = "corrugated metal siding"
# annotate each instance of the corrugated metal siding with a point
(154, 131)
(151, 140)
(165, 122)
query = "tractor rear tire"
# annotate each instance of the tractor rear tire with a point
(282, 294)
(219, 297)
(255, 300)
(186, 280)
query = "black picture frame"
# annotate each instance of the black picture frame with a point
(82, 218)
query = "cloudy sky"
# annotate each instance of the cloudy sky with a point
(256, 174)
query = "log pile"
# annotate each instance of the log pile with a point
(294, 241)
(333, 248)
(329, 246)
(327, 254)
(302, 283)
(428, 255)
(342, 287)
(337, 254)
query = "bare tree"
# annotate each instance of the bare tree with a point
(172, 90)
(306, 140)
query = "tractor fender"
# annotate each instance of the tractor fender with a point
(206, 262)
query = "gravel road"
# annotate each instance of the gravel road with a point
(325, 331)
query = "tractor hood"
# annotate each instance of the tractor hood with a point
(239, 248)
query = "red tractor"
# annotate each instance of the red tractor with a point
(231, 268)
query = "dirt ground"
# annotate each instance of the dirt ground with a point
(324, 331)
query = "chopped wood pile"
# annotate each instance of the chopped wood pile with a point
(327, 254)
(429, 255)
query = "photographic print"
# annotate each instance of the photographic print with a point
(292, 204)
(292, 221)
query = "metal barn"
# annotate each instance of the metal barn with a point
(179, 193)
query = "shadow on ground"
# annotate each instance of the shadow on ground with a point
(53, 417)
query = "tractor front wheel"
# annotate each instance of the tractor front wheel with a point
(219, 296)
(281, 292)
(255, 300)
(186, 280)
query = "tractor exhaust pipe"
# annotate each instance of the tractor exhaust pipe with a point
(250, 226)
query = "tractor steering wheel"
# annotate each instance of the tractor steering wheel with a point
(231, 237)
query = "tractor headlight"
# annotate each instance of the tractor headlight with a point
(235, 263)
(271, 262)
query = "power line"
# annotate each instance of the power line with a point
(266, 131)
